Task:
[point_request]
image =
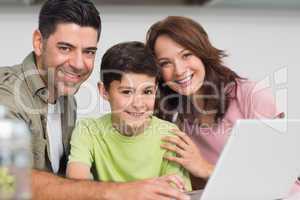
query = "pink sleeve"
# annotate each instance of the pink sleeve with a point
(295, 189)
(259, 102)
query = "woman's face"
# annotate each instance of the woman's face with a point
(182, 71)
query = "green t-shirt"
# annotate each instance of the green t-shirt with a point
(119, 158)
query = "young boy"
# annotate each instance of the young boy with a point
(124, 145)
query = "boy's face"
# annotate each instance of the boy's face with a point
(132, 101)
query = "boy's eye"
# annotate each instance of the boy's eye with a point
(148, 92)
(127, 92)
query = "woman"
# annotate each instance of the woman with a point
(201, 94)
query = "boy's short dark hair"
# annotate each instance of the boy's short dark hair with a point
(127, 57)
(80, 12)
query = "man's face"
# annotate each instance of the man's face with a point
(67, 58)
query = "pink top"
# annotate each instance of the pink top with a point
(253, 100)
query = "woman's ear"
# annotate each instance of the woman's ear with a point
(102, 91)
(37, 43)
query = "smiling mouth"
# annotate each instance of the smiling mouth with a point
(70, 76)
(185, 81)
(135, 114)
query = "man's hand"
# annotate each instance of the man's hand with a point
(47, 186)
(150, 189)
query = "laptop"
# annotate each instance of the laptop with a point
(259, 162)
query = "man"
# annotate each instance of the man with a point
(40, 92)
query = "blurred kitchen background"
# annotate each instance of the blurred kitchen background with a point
(235, 3)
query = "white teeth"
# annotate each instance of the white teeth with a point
(71, 74)
(185, 79)
(136, 114)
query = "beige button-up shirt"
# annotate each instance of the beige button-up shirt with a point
(25, 95)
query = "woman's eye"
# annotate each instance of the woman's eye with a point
(164, 64)
(186, 55)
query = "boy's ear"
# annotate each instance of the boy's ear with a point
(102, 91)
(156, 87)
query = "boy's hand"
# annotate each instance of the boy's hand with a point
(151, 189)
(177, 181)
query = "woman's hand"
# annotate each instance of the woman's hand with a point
(188, 154)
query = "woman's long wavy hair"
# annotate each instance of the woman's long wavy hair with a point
(190, 35)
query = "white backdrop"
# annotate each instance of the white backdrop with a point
(263, 45)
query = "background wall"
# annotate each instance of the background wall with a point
(263, 45)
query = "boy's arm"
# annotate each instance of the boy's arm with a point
(174, 168)
(169, 167)
(81, 156)
(78, 170)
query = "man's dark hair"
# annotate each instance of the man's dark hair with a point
(127, 57)
(80, 12)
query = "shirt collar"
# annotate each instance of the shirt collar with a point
(33, 79)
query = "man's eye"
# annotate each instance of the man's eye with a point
(64, 49)
(91, 53)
